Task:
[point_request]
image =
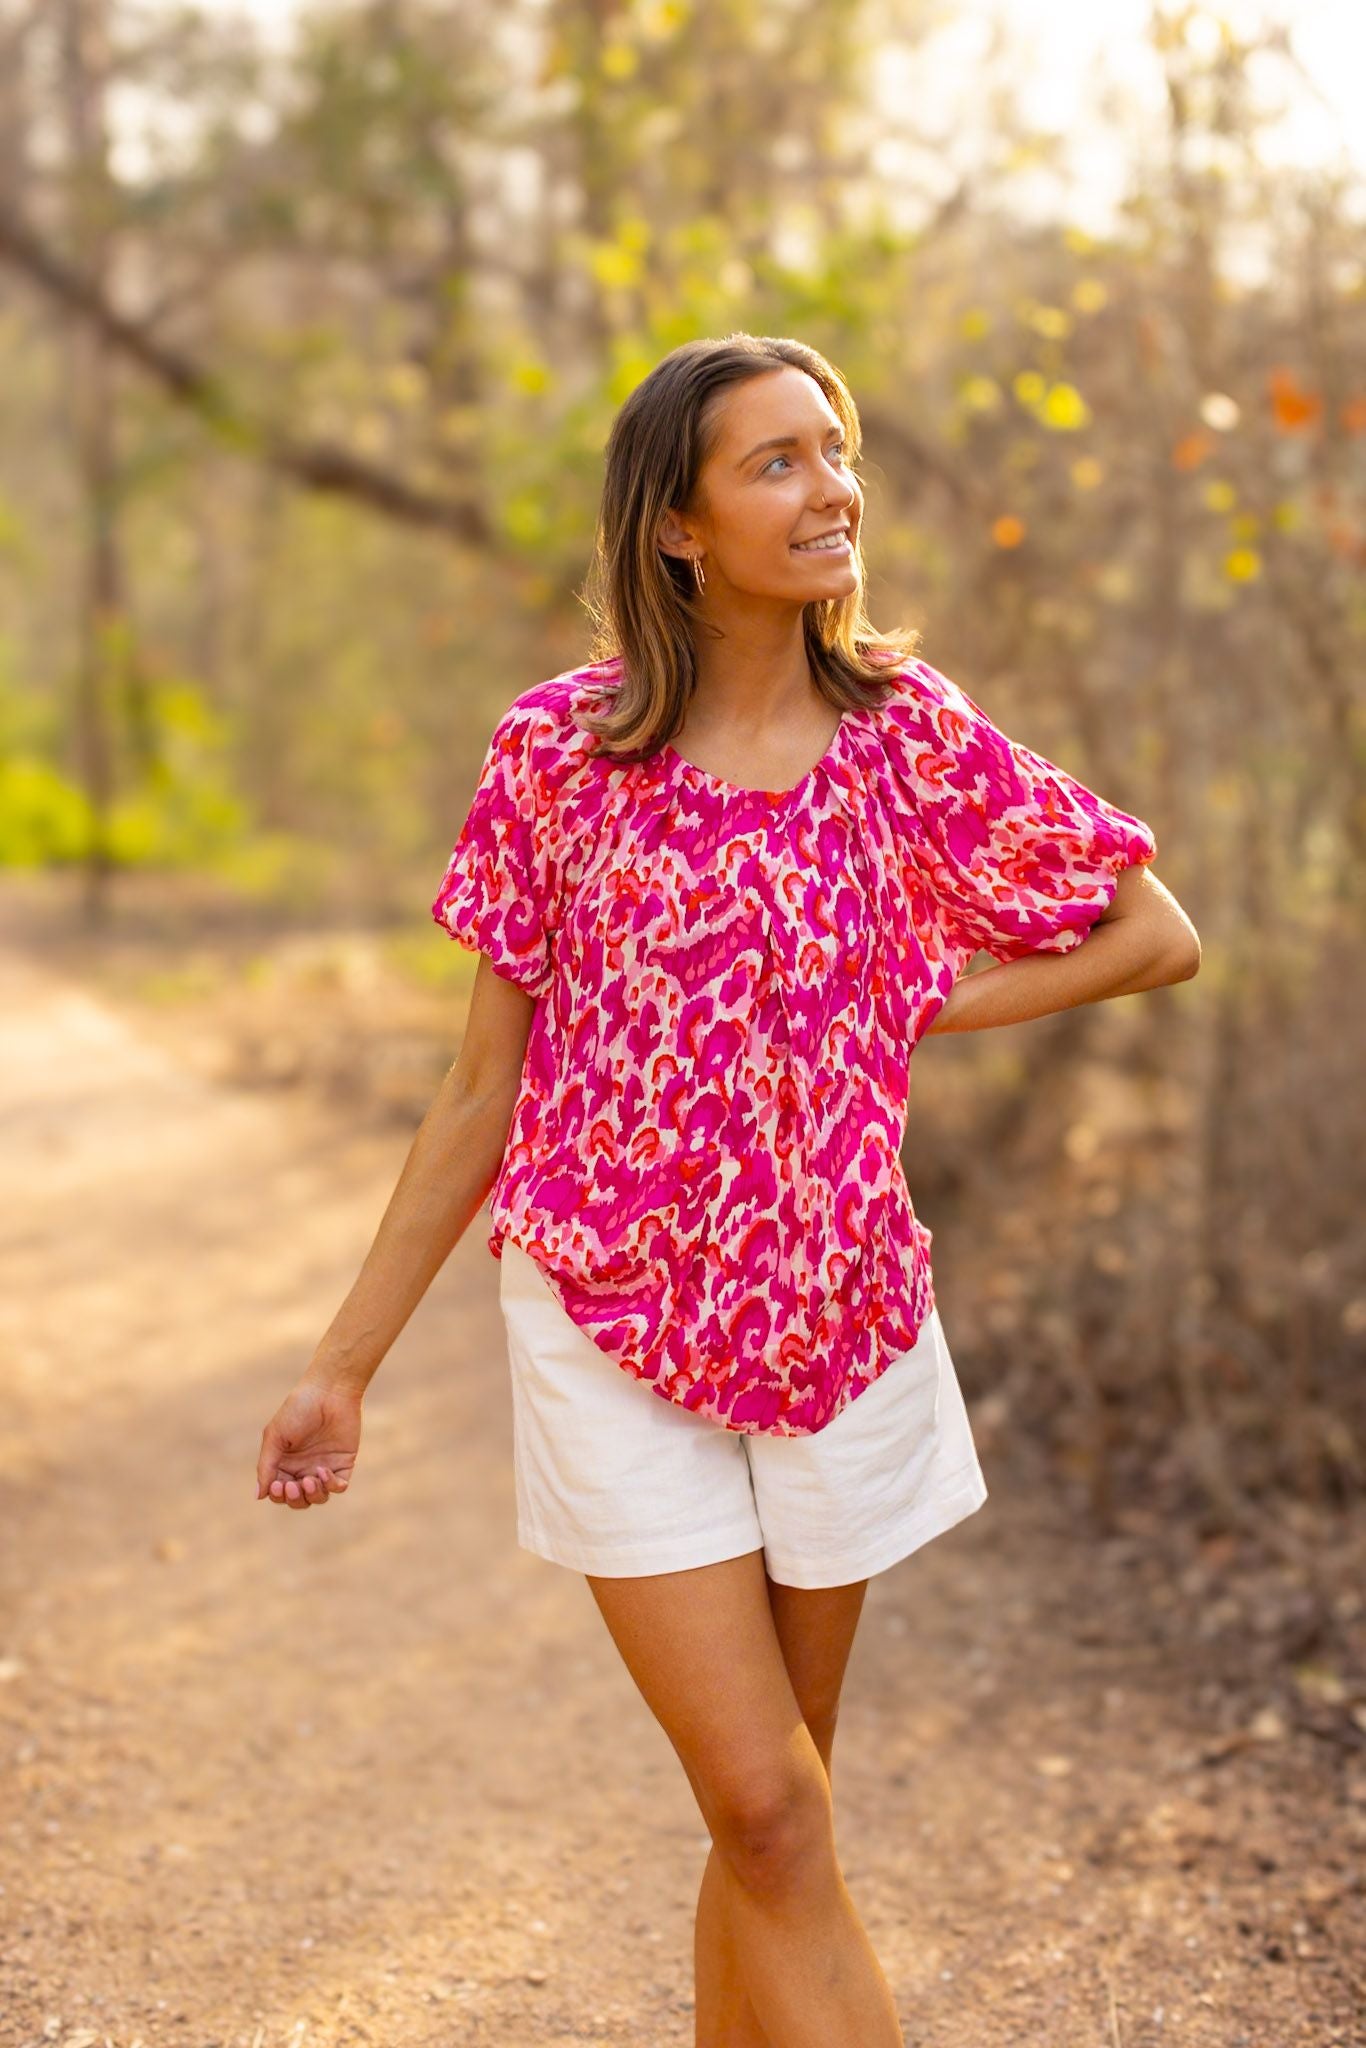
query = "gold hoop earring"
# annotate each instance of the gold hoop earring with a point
(698, 576)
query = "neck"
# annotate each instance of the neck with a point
(752, 679)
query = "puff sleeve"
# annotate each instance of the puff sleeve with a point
(1025, 857)
(495, 891)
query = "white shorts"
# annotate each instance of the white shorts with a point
(614, 1480)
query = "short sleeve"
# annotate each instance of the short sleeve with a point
(493, 896)
(1025, 857)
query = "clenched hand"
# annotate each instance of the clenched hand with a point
(309, 1446)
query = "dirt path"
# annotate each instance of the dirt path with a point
(375, 1775)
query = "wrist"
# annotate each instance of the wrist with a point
(336, 1376)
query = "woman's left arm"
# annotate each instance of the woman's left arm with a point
(1143, 939)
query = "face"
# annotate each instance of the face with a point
(759, 502)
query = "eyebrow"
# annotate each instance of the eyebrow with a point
(783, 441)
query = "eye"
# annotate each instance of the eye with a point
(839, 450)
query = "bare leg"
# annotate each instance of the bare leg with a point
(816, 1632)
(704, 1650)
(723, 2012)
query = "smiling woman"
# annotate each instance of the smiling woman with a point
(731, 870)
(736, 977)
(728, 573)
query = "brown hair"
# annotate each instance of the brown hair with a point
(642, 601)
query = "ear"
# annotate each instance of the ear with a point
(674, 538)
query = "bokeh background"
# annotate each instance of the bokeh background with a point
(313, 321)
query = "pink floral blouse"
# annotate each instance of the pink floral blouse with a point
(703, 1158)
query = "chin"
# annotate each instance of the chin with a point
(842, 573)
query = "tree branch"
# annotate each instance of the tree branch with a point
(318, 465)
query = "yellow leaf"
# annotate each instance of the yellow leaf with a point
(1050, 321)
(613, 266)
(659, 22)
(530, 376)
(1089, 294)
(1242, 565)
(619, 61)
(1065, 410)
(979, 394)
(525, 518)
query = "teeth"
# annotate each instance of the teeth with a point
(807, 547)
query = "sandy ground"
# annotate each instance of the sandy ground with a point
(374, 1774)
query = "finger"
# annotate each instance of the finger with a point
(333, 1482)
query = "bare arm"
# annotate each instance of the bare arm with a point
(1142, 940)
(452, 1164)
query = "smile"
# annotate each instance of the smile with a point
(833, 544)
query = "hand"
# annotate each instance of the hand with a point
(309, 1446)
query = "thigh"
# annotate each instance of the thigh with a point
(704, 1651)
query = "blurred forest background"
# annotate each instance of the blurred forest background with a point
(309, 346)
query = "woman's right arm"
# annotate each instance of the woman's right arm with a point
(451, 1166)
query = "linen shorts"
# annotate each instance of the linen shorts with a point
(614, 1480)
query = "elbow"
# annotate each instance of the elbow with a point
(1184, 961)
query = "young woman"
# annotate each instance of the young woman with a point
(723, 880)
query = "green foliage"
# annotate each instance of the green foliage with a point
(176, 808)
(425, 954)
(44, 820)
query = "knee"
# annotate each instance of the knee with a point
(773, 1830)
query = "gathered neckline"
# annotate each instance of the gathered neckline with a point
(739, 789)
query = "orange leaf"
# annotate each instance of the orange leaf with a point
(1292, 407)
(1192, 449)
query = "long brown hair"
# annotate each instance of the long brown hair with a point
(643, 602)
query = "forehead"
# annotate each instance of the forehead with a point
(784, 401)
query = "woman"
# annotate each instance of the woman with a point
(723, 880)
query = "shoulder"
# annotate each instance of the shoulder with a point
(541, 728)
(924, 709)
(921, 692)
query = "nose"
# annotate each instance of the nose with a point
(843, 492)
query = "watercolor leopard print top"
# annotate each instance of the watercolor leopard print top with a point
(704, 1156)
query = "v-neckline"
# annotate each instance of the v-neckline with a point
(739, 789)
